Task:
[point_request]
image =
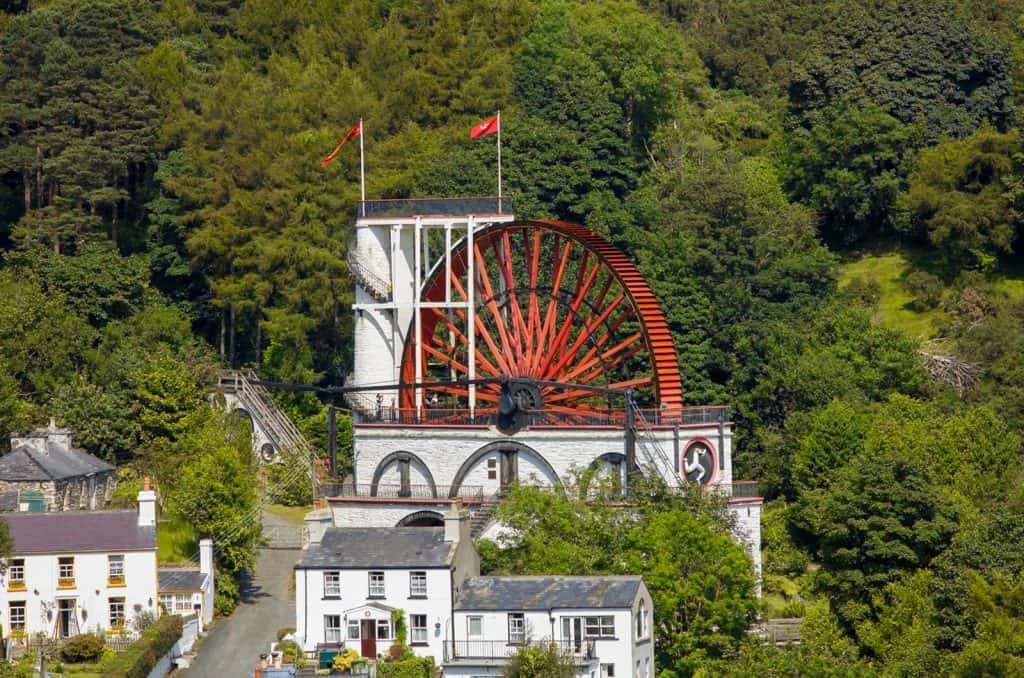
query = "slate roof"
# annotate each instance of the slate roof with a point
(55, 462)
(358, 548)
(78, 531)
(180, 579)
(9, 500)
(543, 593)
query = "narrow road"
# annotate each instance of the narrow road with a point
(233, 645)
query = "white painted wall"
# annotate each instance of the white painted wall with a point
(91, 591)
(356, 603)
(624, 651)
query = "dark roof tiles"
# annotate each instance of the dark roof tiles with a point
(78, 531)
(369, 547)
(54, 462)
(544, 593)
(180, 579)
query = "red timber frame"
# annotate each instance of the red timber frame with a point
(554, 302)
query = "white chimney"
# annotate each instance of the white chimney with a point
(206, 567)
(147, 506)
(456, 523)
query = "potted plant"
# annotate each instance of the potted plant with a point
(401, 635)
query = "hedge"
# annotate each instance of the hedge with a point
(416, 667)
(142, 655)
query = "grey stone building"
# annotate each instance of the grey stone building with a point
(69, 479)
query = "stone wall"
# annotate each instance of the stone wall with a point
(73, 494)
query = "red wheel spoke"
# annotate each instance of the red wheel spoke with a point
(553, 301)
(485, 280)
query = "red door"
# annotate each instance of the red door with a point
(368, 629)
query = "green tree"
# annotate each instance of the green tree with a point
(998, 647)
(542, 660)
(964, 197)
(850, 167)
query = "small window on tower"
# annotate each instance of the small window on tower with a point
(492, 469)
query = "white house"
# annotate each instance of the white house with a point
(77, 571)
(604, 623)
(351, 580)
(188, 590)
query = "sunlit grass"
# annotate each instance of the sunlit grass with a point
(293, 514)
(894, 311)
(175, 541)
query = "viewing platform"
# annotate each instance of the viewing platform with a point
(483, 207)
(369, 414)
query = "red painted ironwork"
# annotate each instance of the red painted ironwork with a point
(554, 302)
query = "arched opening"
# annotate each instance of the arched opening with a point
(506, 468)
(407, 462)
(422, 519)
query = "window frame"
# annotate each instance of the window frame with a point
(604, 624)
(16, 574)
(479, 619)
(414, 590)
(353, 625)
(336, 629)
(384, 625)
(70, 564)
(120, 619)
(641, 621)
(336, 575)
(11, 606)
(519, 638)
(415, 629)
(377, 590)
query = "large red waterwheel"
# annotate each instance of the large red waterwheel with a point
(553, 302)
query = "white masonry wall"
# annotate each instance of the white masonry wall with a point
(355, 603)
(91, 591)
(444, 450)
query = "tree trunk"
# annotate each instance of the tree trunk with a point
(231, 338)
(26, 179)
(113, 224)
(39, 175)
(259, 338)
(223, 331)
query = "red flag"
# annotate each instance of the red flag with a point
(489, 126)
(354, 132)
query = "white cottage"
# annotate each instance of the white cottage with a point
(351, 581)
(604, 623)
(78, 571)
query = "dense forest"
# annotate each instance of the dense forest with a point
(826, 195)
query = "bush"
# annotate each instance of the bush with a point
(290, 651)
(925, 288)
(284, 631)
(83, 648)
(416, 667)
(142, 655)
(343, 660)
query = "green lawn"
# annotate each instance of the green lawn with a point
(888, 269)
(175, 541)
(293, 514)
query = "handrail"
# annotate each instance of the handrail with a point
(375, 285)
(504, 649)
(473, 493)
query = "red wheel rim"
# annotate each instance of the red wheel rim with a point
(554, 302)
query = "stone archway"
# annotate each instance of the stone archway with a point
(422, 519)
(509, 463)
(404, 460)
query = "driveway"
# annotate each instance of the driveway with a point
(233, 646)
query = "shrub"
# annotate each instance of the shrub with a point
(142, 655)
(86, 647)
(343, 660)
(415, 667)
(925, 288)
(284, 631)
(290, 651)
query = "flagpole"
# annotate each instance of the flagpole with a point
(499, 161)
(362, 164)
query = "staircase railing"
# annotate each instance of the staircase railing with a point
(281, 431)
(653, 451)
(376, 286)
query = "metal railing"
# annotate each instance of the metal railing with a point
(469, 493)
(745, 489)
(410, 207)
(455, 650)
(366, 412)
(375, 285)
